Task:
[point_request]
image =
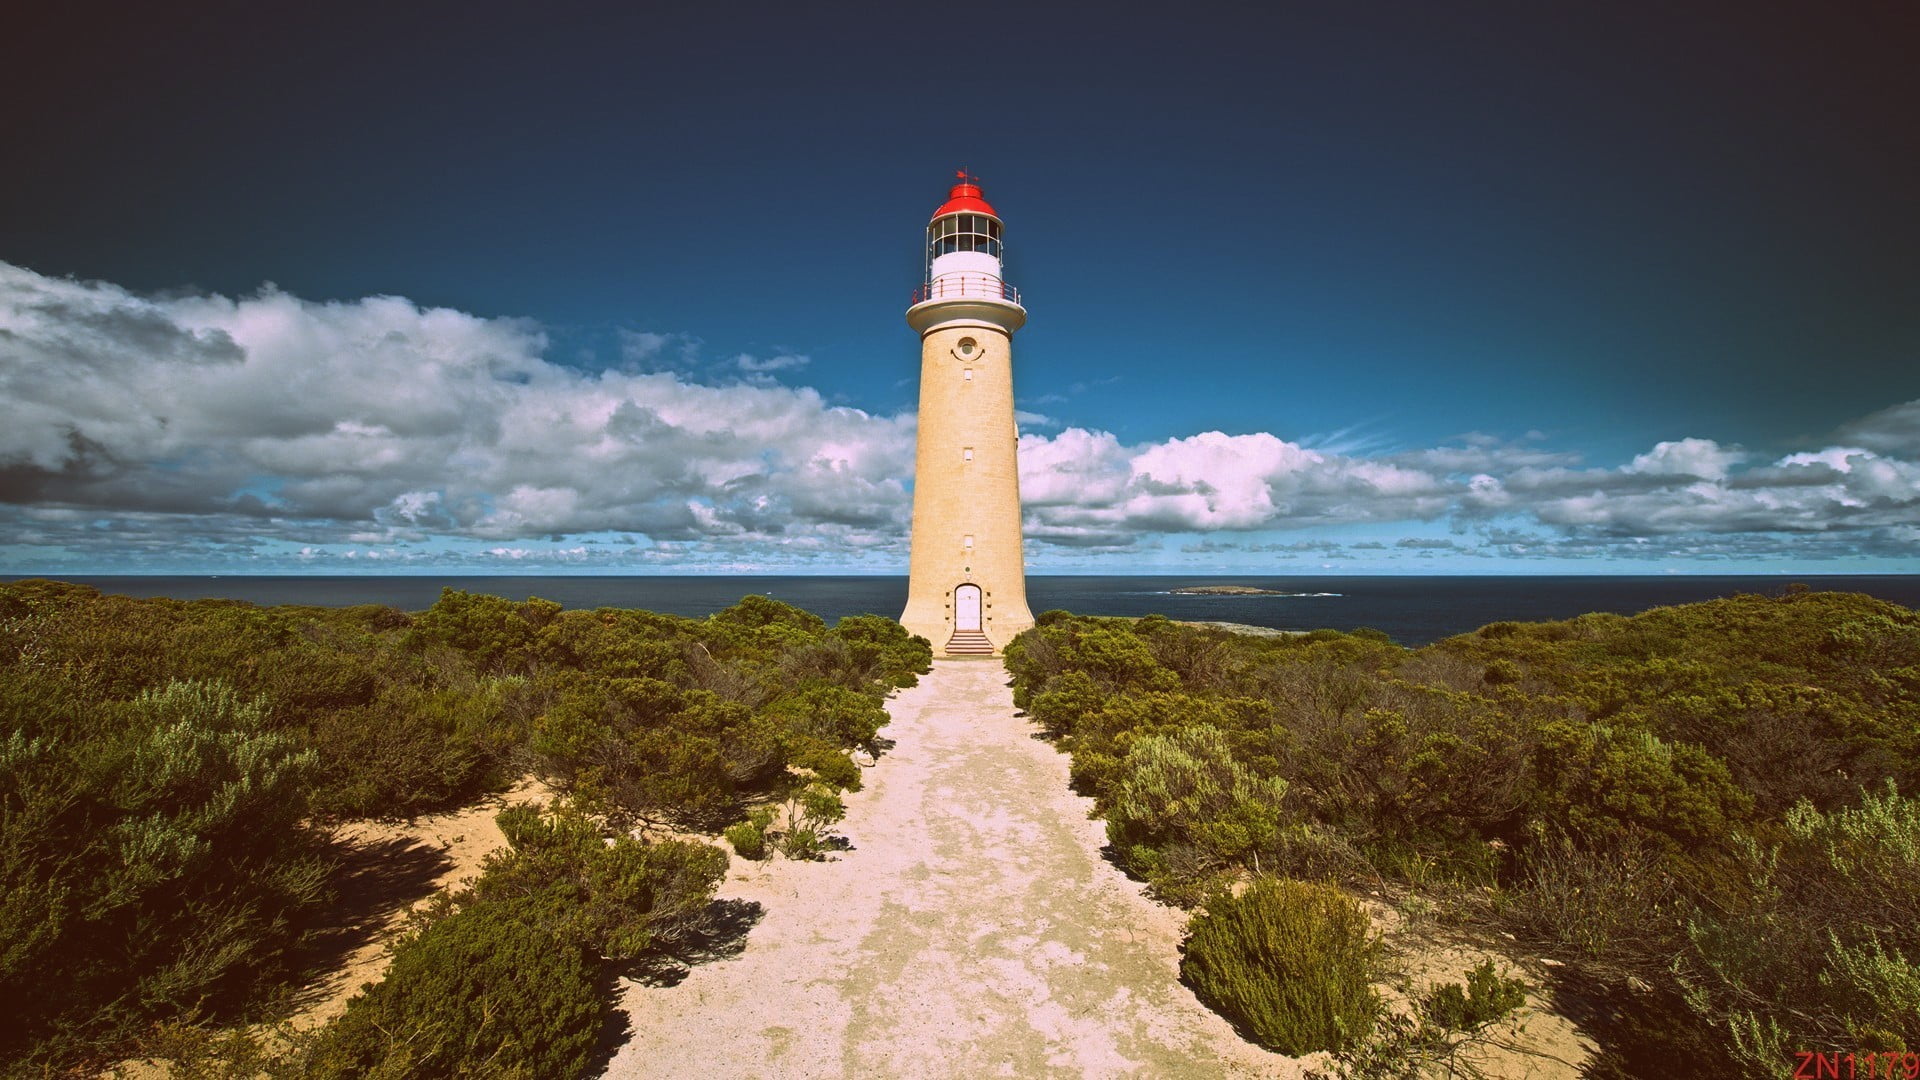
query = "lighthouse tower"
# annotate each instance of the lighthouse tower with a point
(967, 580)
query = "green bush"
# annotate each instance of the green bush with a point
(883, 651)
(475, 991)
(1441, 1037)
(1064, 701)
(749, 837)
(1183, 807)
(1819, 947)
(407, 752)
(613, 896)
(496, 634)
(503, 979)
(1292, 963)
(1486, 999)
(809, 812)
(153, 864)
(1608, 903)
(835, 715)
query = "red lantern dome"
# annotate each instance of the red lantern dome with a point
(965, 198)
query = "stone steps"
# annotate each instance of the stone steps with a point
(969, 643)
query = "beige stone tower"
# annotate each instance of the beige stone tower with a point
(967, 580)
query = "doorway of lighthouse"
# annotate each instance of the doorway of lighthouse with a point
(966, 609)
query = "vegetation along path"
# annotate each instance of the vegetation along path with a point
(973, 929)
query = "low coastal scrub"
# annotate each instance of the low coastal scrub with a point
(503, 978)
(169, 770)
(1704, 813)
(1292, 963)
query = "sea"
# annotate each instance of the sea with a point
(1414, 611)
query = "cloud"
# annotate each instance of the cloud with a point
(286, 415)
(1688, 497)
(207, 430)
(1702, 458)
(755, 365)
(1894, 430)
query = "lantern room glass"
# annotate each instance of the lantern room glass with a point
(963, 232)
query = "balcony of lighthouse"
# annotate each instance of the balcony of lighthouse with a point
(967, 285)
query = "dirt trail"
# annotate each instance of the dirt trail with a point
(973, 930)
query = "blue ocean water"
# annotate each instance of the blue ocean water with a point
(1414, 610)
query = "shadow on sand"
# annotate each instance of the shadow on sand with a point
(375, 881)
(720, 934)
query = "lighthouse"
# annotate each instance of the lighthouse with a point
(967, 574)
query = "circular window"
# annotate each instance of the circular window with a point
(966, 348)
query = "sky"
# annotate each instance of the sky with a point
(1378, 287)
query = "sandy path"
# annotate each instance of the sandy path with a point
(973, 930)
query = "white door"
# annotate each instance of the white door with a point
(966, 607)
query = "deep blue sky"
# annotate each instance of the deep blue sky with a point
(1365, 227)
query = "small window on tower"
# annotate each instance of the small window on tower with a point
(967, 542)
(967, 375)
(966, 453)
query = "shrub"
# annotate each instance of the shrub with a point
(613, 896)
(1608, 774)
(809, 812)
(1816, 946)
(1118, 657)
(883, 651)
(748, 841)
(1602, 780)
(1063, 702)
(502, 979)
(473, 991)
(1290, 962)
(749, 837)
(1183, 807)
(832, 714)
(495, 633)
(646, 748)
(1486, 999)
(1438, 1039)
(154, 865)
(407, 752)
(160, 761)
(1609, 903)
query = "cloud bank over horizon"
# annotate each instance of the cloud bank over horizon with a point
(270, 433)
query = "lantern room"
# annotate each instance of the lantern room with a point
(964, 248)
(963, 232)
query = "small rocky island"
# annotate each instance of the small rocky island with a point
(1226, 590)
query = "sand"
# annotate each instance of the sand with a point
(391, 868)
(972, 930)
